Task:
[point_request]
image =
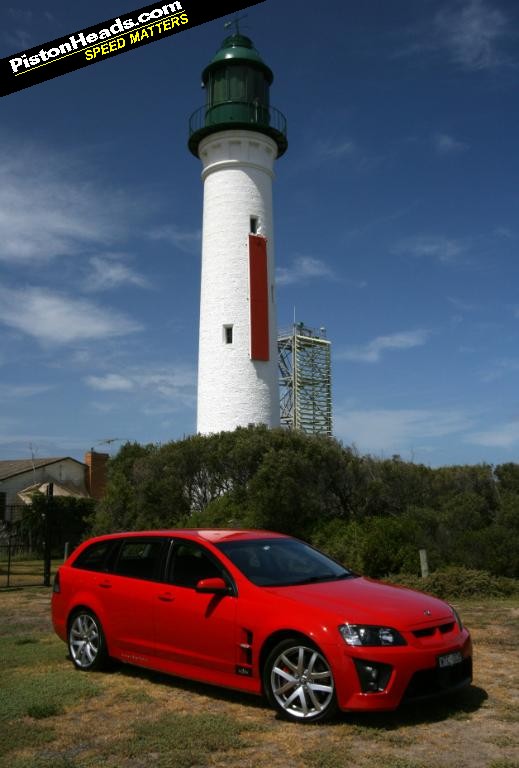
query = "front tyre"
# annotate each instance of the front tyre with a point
(86, 641)
(298, 681)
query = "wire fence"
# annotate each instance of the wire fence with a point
(21, 562)
(31, 535)
(18, 566)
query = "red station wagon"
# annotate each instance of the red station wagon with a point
(259, 612)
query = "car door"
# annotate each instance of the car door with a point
(128, 594)
(195, 632)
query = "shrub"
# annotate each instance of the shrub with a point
(453, 583)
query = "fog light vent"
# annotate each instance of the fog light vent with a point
(373, 676)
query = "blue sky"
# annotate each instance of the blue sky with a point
(396, 225)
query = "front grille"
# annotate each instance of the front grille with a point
(434, 682)
(430, 631)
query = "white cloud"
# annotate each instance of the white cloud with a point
(19, 444)
(106, 273)
(168, 382)
(503, 436)
(177, 384)
(372, 351)
(499, 369)
(342, 148)
(17, 40)
(186, 241)
(471, 32)
(57, 318)
(303, 268)
(448, 145)
(47, 210)
(345, 149)
(443, 249)
(113, 382)
(461, 305)
(23, 390)
(21, 14)
(506, 233)
(396, 431)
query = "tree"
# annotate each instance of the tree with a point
(373, 515)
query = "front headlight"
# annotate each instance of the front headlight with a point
(365, 634)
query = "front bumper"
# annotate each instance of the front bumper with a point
(415, 674)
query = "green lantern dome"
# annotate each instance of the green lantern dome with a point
(237, 83)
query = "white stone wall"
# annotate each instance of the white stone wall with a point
(234, 390)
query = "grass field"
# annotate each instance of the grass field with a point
(52, 716)
(24, 572)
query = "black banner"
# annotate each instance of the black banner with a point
(108, 39)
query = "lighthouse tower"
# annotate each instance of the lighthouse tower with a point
(237, 135)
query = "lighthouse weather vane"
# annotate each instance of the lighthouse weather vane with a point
(236, 21)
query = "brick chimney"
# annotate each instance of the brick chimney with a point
(95, 474)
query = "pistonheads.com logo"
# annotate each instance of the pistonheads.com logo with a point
(108, 39)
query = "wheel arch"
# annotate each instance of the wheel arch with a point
(78, 609)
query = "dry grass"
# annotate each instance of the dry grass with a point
(52, 716)
(23, 573)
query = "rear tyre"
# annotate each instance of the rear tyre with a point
(299, 682)
(86, 641)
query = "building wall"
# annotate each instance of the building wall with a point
(70, 473)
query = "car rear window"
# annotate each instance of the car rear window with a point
(95, 556)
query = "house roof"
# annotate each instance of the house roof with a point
(59, 489)
(13, 467)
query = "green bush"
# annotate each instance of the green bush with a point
(453, 583)
(373, 515)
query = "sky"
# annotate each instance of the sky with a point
(396, 218)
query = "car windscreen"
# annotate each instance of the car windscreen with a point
(281, 562)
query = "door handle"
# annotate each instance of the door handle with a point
(105, 585)
(167, 597)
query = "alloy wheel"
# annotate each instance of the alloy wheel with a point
(301, 683)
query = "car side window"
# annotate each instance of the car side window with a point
(95, 557)
(190, 563)
(141, 558)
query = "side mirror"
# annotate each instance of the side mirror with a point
(216, 586)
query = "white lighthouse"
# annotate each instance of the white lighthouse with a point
(237, 135)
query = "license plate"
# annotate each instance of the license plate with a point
(450, 659)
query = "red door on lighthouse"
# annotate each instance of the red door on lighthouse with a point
(259, 298)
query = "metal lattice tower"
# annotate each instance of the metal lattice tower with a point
(305, 380)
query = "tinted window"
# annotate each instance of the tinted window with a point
(141, 558)
(190, 563)
(94, 557)
(281, 562)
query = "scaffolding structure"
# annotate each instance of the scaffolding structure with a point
(305, 380)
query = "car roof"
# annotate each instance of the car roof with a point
(213, 535)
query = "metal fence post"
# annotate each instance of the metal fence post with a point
(47, 548)
(9, 557)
